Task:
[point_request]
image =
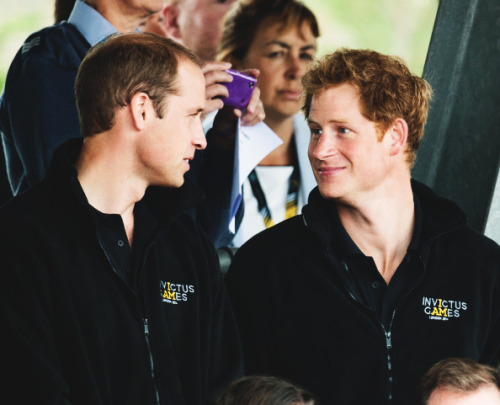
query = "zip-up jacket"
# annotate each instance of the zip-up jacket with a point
(301, 317)
(75, 332)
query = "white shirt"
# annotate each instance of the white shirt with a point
(274, 181)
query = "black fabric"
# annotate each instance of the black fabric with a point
(114, 239)
(302, 316)
(371, 286)
(74, 332)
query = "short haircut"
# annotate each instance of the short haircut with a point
(122, 66)
(458, 375)
(264, 390)
(246, 17)
(387, 89)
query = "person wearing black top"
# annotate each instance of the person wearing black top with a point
(380, 278)
(111, 293)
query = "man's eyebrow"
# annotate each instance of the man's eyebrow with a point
(331, 121)
(195, 110)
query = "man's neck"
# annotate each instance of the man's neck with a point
(109, 187)
(383, 227)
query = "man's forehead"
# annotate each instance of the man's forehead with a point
(335, 101)
(189, 74)
(336, 92)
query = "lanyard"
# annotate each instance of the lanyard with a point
(291, 198)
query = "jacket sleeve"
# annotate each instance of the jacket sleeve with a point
(250, 291)
(491, 350)
(38, 113)
(29, 359)
(226, 357)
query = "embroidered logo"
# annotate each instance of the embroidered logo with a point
(443, 310)
(172, 293)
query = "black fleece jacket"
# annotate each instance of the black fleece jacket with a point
(76, 333)
(301, 317)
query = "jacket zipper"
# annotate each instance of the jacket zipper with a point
(388, 346)
(151, 362)
(388, 340)
(145, 322)
(387, 333)
(146, 325)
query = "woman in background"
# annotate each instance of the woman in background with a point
(278, 37)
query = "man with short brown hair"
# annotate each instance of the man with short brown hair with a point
(110, 292)
(38, 110)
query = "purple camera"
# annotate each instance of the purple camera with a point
(240, 89)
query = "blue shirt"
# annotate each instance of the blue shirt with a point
(92, 25)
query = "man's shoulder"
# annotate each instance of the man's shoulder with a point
(55, 39)
(60, 45)
(472, 242)
(30, 205)
(289, 238)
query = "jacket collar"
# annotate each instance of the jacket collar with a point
(162, 202)
(438, 217)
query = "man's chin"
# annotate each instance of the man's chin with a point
(330, 193)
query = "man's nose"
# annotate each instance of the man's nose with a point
(199, 138)
(323, 147)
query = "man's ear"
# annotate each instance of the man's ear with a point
(139, 106)
(397, 135)
(171, 13)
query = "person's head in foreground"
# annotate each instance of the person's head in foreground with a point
(367, 113)
(151, 89)
(460, 381)
(264, 390)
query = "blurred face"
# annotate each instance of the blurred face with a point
(171, 141)
(282, 56)
(486, 395)
(155, 24)
(201, 23)
(147, 7)
(126, 15)
(347, 158)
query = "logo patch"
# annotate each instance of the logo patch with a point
(173, 293)
(443, 310)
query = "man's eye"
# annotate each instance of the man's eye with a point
(344, 130)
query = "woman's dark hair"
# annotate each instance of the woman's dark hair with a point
(246, 16)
